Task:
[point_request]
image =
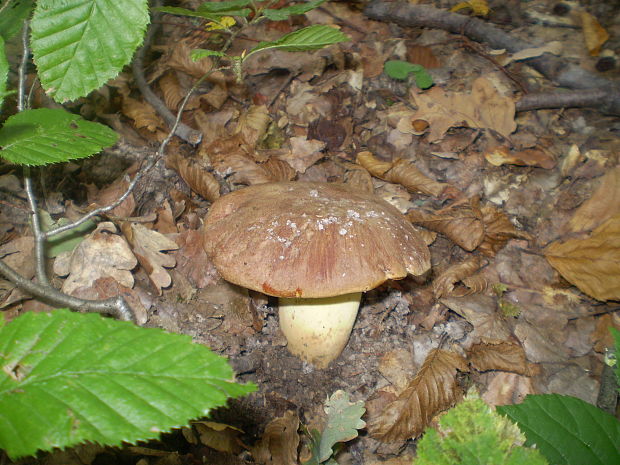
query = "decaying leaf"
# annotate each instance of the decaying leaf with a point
(358, 177)
(498, 229)
(148, 246)
(499, 355)
(402, 172)
(460, 222)
(279, 443)
(279, 170)
(219, 436)
(143, 114)
(482, 313)
(171, 90)
(593, 33)
(178, 57)
(433, 390)
(241, 169)
(445, 283)
(195, 174)
(103, 253)
(253, 124)
(591, 263)
(604, 203)
(508, 388)
(192, 260)
(111, 194)
(483, 108)
(529, 157)
(304, 153)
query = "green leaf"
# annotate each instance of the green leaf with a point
(43, 136)
(567, 430)
(4, 72)
(173, 10)
(78, 45)
(298, 9)
(223, 8)
(200, 53)
(64, 241)
(398, 69)
(308, 38)
(68, 378)
(616, 335)
(422, 79)
(13, 13)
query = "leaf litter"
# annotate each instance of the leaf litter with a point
(533, 195)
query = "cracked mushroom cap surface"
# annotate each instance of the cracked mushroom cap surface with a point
(308, 239)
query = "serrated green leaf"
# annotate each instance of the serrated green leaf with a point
(225, 8)
(200, 53)
(4, 72)
(12, 16)
(567, 430)
(64, 241)
(308, 38)
(298, 9)
(344, 418)
(78, 45)
(173, 10)
(67, 378)
(43, 136)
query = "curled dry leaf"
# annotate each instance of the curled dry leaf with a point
(358, 177)
(604, 203)
(445, 283)
(111, 194)
(103, 253)
(498, 229)
(499, 355)
(461, 223)
(178, 57)
(143, 114)
(241, 169)
(304, 153)
(192, 260)
(279, 170)
(148, 246)
(171, 90)
(529, 157)
(484, 108)
(253, 124)
(194, 172)
(433, 390)
(402, 172)
(280, 441)
(219, 436)
(591, 263)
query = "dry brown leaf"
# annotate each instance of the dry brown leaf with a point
(604, 203)
(171, 90)
(194, 172)
(444, 284)
(422, 55)
(593, 33)
(192, 260)
(483, 108)
(433, 390)
(461, 223)
(358, 177)
(482, 313)
(279, 170)
(402, 172)
(498, 229)
(165, 223)
(217, 96)
(213, 125)
(253, 124)
(148, 246)
(219, 436)
(304, 153)
(143, 114)
(507, 389)
(591, 263)
(499, 355)
(601, 337)
(111, 194)
(529, 157)
(241, 169)
(279, 443)
(230, 302)
(178, 57)
(103, 253)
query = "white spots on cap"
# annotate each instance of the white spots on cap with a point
(373, 214)
(342, 231)
(314, 193)
(322, 222)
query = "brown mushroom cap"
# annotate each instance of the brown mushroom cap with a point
(301, 239)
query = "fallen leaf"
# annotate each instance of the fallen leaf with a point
(499, 355)
(279, 443)
(253, 124)
(529, 157)
(396, 366)
(433, 390)
(230, 302)
(143, 114)
(444, 284)
(422, 55)
(591, 263)
(483, 108)
(219, 436)
(593, 33)
(192, 260)
(482, 313)
(194, 172)
(111, 194)
(148, 246)
(601, 337)
(279, 170)
(460, 222)
(602, 205)
(498, 230)
(554, 47)
(171, 90)
(304, 153)
(507, 389)
(165, 223)
(103, 253)
(402, 172)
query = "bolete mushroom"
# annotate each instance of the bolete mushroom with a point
(317, 247)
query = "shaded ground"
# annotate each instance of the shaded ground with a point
(315, 113)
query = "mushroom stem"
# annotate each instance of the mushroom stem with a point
(318, 329)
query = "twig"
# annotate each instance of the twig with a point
(557, 70)
(186, 133)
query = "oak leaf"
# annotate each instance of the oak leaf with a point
(433, 390)
(591, 263)
(148, 246)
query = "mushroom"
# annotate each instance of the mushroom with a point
(317, 247)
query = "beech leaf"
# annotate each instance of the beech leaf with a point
(433, 390)
(499, 355)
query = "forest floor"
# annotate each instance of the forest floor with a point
(508, 201)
